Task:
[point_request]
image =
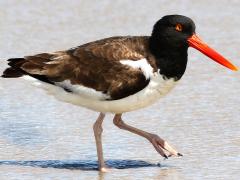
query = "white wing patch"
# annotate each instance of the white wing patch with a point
(83, 91)
(142, 64)
(78, 90)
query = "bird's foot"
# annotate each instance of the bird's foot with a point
(104, 169)
(161, 146)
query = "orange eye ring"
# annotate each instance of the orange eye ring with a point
(179, 27)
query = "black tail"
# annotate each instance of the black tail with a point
(14, 70)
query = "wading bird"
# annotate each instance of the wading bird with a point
(118, 74)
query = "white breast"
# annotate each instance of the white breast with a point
(91, 99)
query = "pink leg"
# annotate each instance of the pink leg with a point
(97, 128)
(159, 144)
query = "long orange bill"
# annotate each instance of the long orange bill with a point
(195, 42)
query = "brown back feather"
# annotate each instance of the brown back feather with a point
(95, 65)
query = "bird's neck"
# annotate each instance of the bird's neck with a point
(171, 60)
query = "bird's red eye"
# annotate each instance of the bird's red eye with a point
(178, 27)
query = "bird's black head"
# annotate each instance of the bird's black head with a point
(169, 44)
(172, 31)
(170, 39)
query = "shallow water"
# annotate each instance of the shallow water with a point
(42, 138)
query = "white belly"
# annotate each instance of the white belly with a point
(156, 88)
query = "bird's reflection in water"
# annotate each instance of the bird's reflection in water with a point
(86, 165)
(165, 172)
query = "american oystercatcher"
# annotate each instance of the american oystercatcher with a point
(118, 74)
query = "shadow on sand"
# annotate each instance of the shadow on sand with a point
(81, 164)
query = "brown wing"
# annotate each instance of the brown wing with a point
(95, 65)
(117, 48)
